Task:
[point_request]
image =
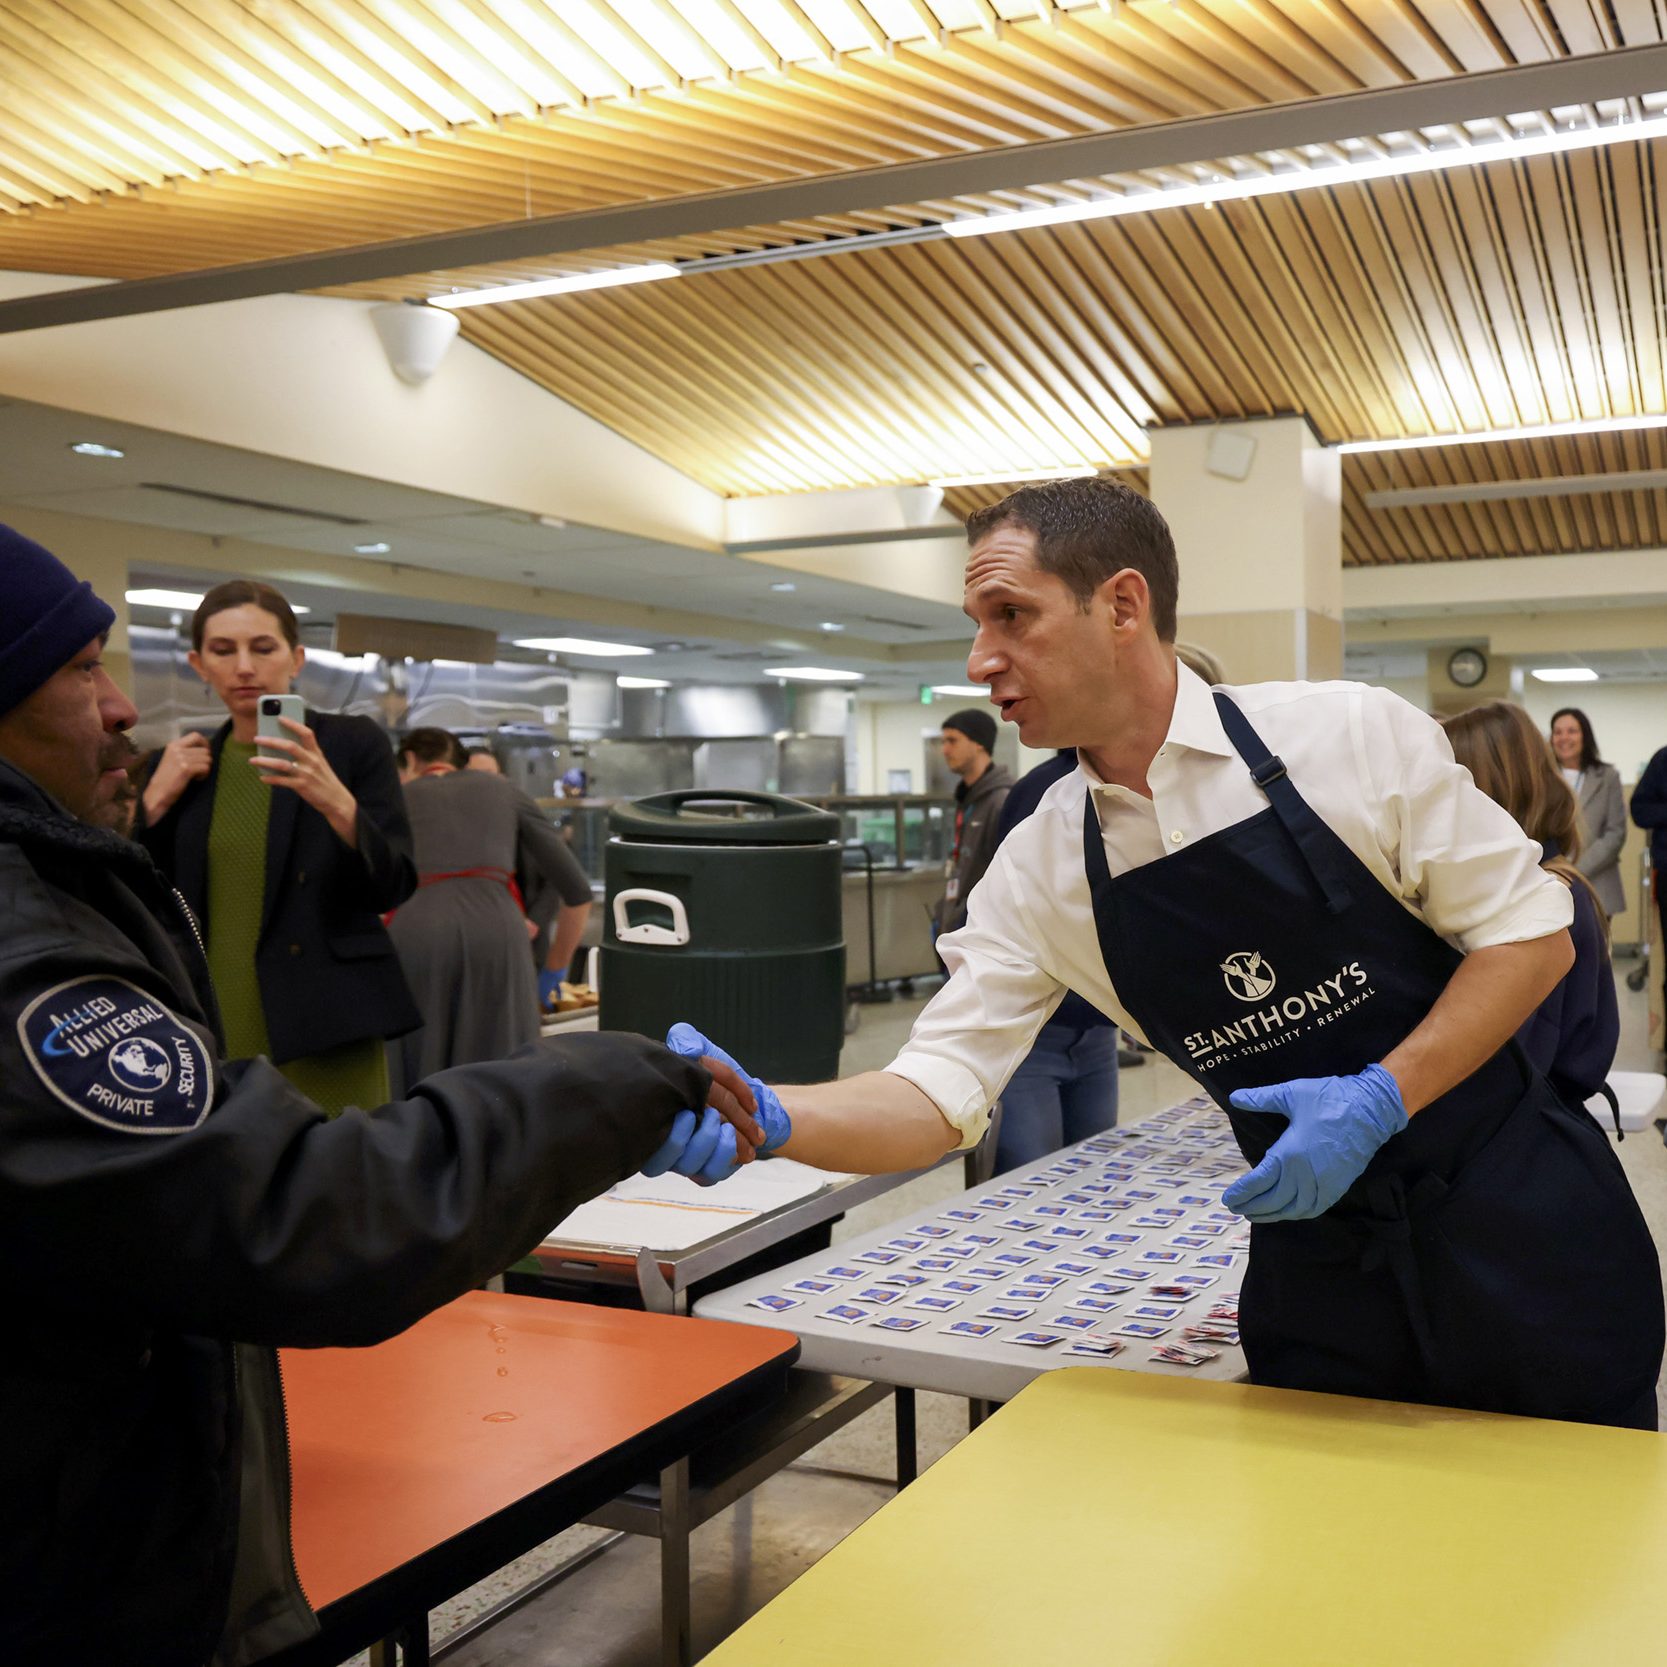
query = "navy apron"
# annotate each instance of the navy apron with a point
(1492, 1254)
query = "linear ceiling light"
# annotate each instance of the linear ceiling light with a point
(1003, 477)
(642, 682)
(556, 286)
(967, 690)
(1565, 674)
(813, 674)
(581, 645)
(1475, 155)
(1530, 431)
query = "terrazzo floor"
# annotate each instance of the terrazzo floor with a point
(607, 1614)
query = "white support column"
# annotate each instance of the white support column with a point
(1256, 510)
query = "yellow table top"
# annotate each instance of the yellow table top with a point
(1115, 1517)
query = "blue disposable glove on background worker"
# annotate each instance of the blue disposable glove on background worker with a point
(549, 986)
(1336, 1125)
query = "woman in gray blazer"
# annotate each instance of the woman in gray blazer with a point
(1597, 787)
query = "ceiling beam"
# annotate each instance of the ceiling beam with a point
(1550, 486)
(1586, 79)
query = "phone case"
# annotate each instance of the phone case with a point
(268, 728)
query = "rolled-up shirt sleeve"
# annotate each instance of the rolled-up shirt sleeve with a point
(1463, 860)
(972, 1035)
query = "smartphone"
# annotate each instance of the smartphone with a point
(274, 707)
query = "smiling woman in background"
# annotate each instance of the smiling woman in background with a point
(288, 859)
(1597, 789)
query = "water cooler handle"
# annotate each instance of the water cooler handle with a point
(649, 931)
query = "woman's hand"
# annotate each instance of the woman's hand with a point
(183, 761)
(300, 766)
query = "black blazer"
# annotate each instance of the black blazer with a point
(327, 967)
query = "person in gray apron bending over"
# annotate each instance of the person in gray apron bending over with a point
(1292, 891)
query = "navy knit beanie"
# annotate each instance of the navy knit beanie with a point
(47, 616)
(975, 725)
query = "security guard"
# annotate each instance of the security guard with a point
(167, 1217)
(1292, 891)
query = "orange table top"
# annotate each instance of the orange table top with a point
(398, 1448)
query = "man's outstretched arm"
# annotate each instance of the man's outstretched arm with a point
(872, 1124)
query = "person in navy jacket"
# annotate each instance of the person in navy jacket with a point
(1649, 811)
(1570, 1037)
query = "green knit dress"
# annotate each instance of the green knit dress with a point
(354, 1074)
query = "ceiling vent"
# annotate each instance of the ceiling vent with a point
(894, 624)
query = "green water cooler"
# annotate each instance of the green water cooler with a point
(723, 909)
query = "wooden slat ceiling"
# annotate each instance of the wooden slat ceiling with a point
(147, 136)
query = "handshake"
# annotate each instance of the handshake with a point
(742, 1119)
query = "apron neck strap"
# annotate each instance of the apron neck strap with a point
(1321, 853)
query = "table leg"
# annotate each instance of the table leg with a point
(675, 1646)
(977, 1412)
(405, 1647)
(903, 1410)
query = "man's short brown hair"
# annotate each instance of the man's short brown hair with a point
(1088, 529)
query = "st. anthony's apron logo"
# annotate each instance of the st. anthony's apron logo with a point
(118, 1056)
(1248, 976)
(1280, 1022)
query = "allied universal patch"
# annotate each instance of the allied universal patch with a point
(118, 1056)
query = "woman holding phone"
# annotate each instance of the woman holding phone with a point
(289, 850)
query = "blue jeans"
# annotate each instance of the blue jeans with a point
(1065, 1090)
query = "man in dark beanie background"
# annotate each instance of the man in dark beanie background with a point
(969, 737)
(52, 633)
(144, 1506)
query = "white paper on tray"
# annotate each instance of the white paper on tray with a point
(671, 1213)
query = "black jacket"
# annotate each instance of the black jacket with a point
(1649, 810)
(977, 813)
(327, 967)
(167, 1219)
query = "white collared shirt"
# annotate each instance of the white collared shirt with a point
(1374, 768)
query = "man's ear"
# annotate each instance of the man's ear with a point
(1126, 598)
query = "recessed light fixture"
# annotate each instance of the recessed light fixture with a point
(1465, 155)
(179, 601)
(642, 682)
(377, 548)
(1019, 471)
(1564, 674)
(91, 448)
(813, 674)
(832, 625)
(581, 645)
(556, 286)
(968, 690)
(1529, 431)
(784, 585)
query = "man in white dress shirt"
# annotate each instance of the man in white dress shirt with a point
(1294, 892)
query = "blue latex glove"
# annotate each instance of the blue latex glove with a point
(701, 1145)
(549, 986)
(770, 1113)
(1336, 1124)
